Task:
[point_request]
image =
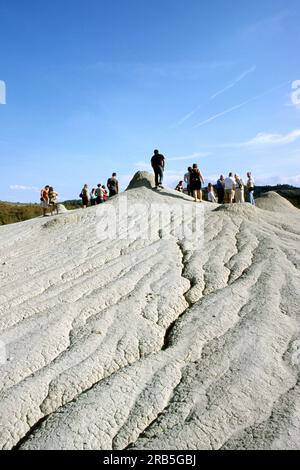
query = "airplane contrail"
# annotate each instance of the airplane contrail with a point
(241, 105)
(228, 87)
(235, 82)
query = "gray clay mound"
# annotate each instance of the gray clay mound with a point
(62, 209)
(273, 202)
(142, 179)
(146, 341)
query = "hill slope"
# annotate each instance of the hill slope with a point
(162, 339)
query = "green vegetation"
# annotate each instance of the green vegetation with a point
(72, 204)
(11, 213)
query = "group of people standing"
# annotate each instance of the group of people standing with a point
(100, 194)
(229, 190)
(49, 200)
(233, 189)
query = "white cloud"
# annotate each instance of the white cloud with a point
(143, 166)
(263, 139)
(192, 157)
(172, 178)
(20, 187)
(273, 180)
(124, 180)
(274, 139)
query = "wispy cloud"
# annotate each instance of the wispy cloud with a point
(264, 139)
(274, 139)
(193, 156)
(20, 187)
(175, 70)
(186, 117)
(234, 82)
(238, 106)
(271, 24)
(278, 179)
(142, 165)
(223, 113)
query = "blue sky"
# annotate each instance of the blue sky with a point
(93, 87)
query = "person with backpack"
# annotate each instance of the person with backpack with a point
(53, 200)
(99, 194)
(84, 195)
(113, 185)
(196, 181)
(158, 165)
(45, 199)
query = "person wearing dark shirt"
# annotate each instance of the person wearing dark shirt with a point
(158, 165)
(113, 185)
(196, 182)
(221, 189)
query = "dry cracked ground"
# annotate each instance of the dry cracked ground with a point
(181, 334)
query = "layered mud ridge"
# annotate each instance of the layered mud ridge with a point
(152, 339)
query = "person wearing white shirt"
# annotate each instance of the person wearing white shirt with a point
(187, 177)
(229, 189)
(211, 194)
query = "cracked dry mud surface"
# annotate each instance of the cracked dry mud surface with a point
(160, 343)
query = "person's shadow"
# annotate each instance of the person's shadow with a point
(181, 196)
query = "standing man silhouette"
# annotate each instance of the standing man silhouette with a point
(158, 165)
(113, 185)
